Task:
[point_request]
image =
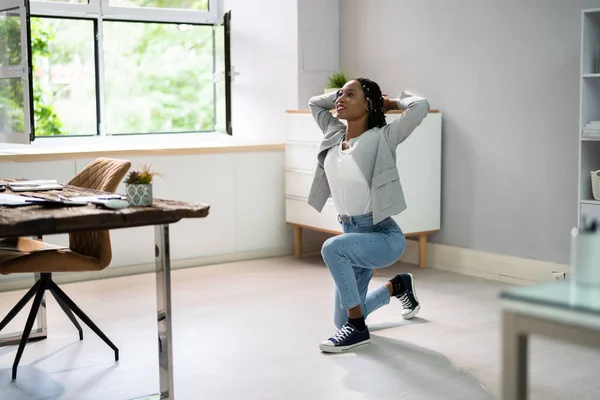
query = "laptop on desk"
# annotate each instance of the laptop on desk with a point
(34, 185)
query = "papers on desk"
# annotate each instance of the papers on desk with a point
(13, 200)
(34, 186)
(111, 201)
(98, 199)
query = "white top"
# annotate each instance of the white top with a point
(349, 189)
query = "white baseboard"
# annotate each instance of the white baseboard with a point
(114, 272)
(483, 264)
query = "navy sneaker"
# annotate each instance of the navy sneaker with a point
(346, 338)
(409, 297)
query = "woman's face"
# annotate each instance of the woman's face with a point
(351, 103)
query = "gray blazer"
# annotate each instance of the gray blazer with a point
(375, 153)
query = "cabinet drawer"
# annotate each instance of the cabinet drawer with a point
(298, 211)
(297, 183)
(302, 156)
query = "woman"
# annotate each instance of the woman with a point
(357, 167)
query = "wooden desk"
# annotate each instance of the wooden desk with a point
(38, 220)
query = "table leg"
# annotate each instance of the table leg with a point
(422, 250)
(42, 322)
(298, 241)
(514, 359)
(39, 333)
(163, 292)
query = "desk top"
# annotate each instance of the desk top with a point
(563, 294)
(39, 220)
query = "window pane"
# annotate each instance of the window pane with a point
(64, 76)
(201, 5)
(12, 115)
(158, 78)
(10, 38)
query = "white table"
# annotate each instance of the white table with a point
(557, 310)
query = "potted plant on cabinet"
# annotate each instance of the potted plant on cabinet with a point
(336, 81)
(138, 186)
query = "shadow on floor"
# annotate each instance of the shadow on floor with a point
(35, 384)
(394, 369)
(379, 326)
(31, 384)
(7, 349)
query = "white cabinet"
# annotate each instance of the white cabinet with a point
(419, 165)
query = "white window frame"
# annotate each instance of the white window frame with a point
(56, 9)
(103, 10)
(100, 10)
(23, 72)
(150, 14)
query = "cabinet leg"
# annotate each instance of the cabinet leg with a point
(422, 250)
(298, 241)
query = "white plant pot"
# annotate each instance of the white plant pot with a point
(329, 90)
(139, 194)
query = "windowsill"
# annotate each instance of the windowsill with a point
(45, 148)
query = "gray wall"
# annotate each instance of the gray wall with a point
(506, 77)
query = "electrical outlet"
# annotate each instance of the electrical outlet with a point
(559, 276)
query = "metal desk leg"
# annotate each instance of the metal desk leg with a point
(163, 291)
(42, 322)
(514, 358)
(39, 333)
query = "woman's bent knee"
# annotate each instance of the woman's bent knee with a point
(329, 248)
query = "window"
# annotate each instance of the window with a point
(15, 73)
(223, 75)
(158, 77)
(113, 67)
(64, 77)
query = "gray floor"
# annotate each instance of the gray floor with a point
(251, 330)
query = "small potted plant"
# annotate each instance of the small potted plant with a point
(336, 81)
(138, 186)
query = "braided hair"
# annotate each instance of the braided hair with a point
(375, 102)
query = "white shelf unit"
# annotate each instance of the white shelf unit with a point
(589, 110)
(419, 165)
(593, 202)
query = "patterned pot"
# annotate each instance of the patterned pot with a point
(139, 194)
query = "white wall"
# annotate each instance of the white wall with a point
(506, 77)
(244, 190)
(318, 46)
(264, 41)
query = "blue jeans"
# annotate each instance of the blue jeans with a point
(353, 256)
